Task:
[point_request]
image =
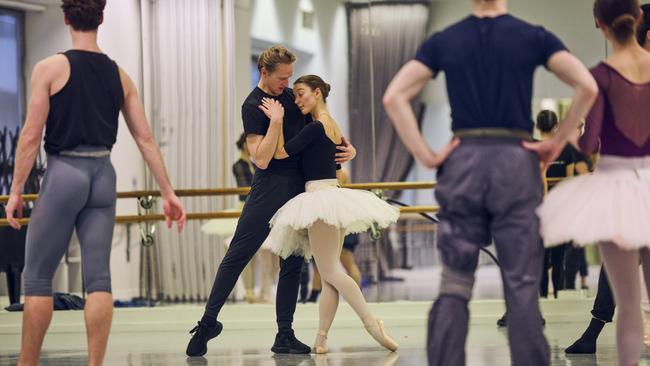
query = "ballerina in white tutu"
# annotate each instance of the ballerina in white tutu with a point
(611, 207)
(315, 222)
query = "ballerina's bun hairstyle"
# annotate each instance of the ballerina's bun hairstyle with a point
(618, 15)
(315, 82)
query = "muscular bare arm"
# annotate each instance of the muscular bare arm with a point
(408, 82)
(43, 75)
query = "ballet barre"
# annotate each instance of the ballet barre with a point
(392, 186)
(243, 190)
(148, 195)
(129, 219)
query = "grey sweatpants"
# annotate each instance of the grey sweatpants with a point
(77, 193)
(489, 189)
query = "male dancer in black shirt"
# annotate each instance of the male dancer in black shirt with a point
(275, 182)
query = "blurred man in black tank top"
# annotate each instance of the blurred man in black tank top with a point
(77, 97)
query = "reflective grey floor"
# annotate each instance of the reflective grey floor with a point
(487, 345)
(421, 284)
(137, 344)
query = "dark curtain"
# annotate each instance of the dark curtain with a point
(395, 29)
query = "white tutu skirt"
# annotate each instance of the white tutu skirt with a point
(612, 204)
(353, 210)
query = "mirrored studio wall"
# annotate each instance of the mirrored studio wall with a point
(358, 47)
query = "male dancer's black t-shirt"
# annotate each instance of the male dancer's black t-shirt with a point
(489, 65)
(256, 122)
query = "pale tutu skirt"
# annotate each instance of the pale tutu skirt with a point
(612, 204)
(353, 210)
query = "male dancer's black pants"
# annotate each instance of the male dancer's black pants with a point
(604, 305)
(269, 192)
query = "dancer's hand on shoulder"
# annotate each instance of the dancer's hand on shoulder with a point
(174, 211)
(273, 110)
(547, 150)
(346, 152)
(437, 158)
(14, 204)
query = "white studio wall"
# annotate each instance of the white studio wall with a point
(321, 50)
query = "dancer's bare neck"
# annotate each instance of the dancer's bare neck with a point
(489, 8)
(84, 41)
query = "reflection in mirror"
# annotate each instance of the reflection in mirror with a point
(357, 47)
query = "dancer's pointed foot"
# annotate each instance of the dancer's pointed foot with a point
(376, 329)
(320, 344)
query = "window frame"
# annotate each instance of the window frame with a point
(20, 62)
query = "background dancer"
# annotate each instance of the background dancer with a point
(77, 97)
(612, 206)
(604, 306)
(486, 52)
